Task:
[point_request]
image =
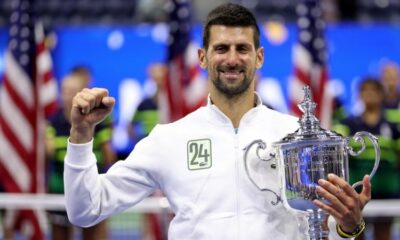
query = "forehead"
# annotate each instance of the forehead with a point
(370, 87)
(231, 34)
(391, 69)
(72, 82)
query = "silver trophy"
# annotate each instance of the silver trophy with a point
(304, 157)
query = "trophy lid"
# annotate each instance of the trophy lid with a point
(310, 128)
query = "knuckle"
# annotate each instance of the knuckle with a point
(78, 94)
(337, 202)
(351, 205)
(85, 105)
(347, 213)
(91, 98)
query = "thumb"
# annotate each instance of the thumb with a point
(108, 102)
(106, 106)
(366, 190)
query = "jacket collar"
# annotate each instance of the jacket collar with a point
(217, 116)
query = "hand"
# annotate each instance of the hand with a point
(344, 203)
(89, 107)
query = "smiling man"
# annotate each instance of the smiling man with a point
(197, 161)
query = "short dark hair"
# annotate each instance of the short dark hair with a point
(370, 80)
(83, 72)
(230, 14)
(81, 69)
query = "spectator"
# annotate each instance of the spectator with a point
(56, 137)
(390, 77)
(149, 112)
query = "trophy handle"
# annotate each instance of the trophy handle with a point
(359, 137)
(261, 145)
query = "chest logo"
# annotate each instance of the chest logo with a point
(199, 154)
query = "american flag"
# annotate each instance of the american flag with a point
(28, 91)
(186, 87)
(48, 84)
(309, 59)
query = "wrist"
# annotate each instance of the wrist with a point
(347, 228)
(353, 233)
(81, 135)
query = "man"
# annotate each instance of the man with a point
(56, 145)
(390, 77)
(148, 113)
(197, 161)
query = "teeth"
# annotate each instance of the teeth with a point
(232, 72)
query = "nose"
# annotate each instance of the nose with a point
(232, 57)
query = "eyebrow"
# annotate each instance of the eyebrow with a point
(240, 44)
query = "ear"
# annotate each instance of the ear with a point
(260, 58)
(201, 54)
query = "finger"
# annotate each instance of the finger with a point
(90, 96)
(328, 209)
(366, 190)
(93, 97)
(333, 195)
(341, 183)
(100, 93)
(333, 191)
(96, 95)
(81, 104)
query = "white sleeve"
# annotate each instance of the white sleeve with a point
(91, 197)
(333, 235)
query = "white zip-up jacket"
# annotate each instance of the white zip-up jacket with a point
(198, 163)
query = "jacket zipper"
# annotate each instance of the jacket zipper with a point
(237, 152)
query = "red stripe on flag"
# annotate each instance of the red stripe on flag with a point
(27, 222)
(17, 101)
(51, 108)
(174, 89)
(15, 142)
(193, 71)
(10, 185)
(302, 76)
(46, 77)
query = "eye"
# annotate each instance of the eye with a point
(243, 48)
(220, 48)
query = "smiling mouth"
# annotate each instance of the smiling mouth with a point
(231, 74)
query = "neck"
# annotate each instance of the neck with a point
(234, 108)
(158, 94)
(67, 113)
(372, 115)
(391, 96)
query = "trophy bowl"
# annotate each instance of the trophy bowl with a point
(307, 155)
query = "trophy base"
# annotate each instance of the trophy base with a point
(318, 226)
